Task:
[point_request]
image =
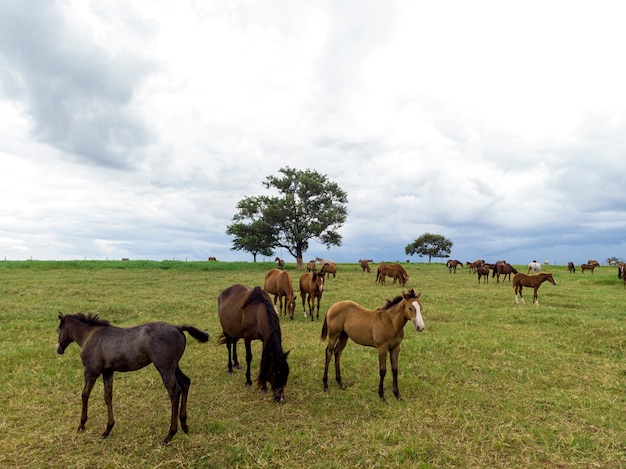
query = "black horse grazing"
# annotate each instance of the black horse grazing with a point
(106, 349)
(248, 314)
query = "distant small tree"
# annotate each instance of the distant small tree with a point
(431, 245)
(251, 233)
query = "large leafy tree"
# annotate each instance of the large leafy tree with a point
(431, 245)
(251, 233)
(309, 207)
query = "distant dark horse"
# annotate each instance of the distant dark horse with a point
(521, 280)
(248, 314)
(105, 349)
(483, 271)
(571, 268)
(382, 328)
(503, 269)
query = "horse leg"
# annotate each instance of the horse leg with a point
(309, 299)
(248, 362)
(89, 383)
(107, 378)
(535, 297)
(382, 368)
(393, 357)
(341, 344)
(318, 306)
(332, 341)
(173, 392)
(184, 382)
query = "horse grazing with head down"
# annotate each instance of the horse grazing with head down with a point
(521, 280)
(503, 269)
(106, 349)
(329, 268)
(311, 289)
(534, 267)
(591, 267)
(278, 283)
(280, 262)
(571, 268)
(248, 314)
(452, 264)
(483, 271)
(382, 328)
(395, 271)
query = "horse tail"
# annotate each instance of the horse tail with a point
(194, 332)
(324, 330)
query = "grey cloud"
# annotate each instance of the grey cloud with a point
(77, 95)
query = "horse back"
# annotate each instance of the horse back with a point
(133, 348)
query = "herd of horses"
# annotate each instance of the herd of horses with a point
(249, 314)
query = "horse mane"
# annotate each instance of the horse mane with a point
(90, 319)
(399, 298)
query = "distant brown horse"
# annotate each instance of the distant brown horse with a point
(521, 280)
(591, 267)
(311, 267)
(106, 349)
(382, 328)
(248, 314)
(452, 265)
(279, 284)
(329, 268)
(483, 271)
(365, 265)
(475, 265)
(503, 269)
(281, 263)
(395, 271)
(621, 272)
(311, 288)
(571, 268)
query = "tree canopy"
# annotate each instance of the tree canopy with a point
(309, 207)
(431, 245)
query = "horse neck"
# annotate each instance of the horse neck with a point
(81, 331)
(398, 318)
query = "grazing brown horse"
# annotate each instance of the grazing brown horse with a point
(365, 265)
(382, 328)
(395, 271)
(281, 263)
(503, 269)
(278, 283)
(452, 265)
(329, 268)
(311, 267)
(521, 280)
(483, 271)
(248, 314)
(571, 268)
(106, 349)
(311, 288)
(591, 267)
(475, 265)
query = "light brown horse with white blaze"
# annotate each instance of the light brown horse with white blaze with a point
(521, 280)
(382, 328)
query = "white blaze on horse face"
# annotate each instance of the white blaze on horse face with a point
(419, 322)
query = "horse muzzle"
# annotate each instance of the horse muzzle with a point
(60, 350)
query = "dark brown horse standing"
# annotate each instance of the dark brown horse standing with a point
(311, 289)
(248, 314)
(571, 268)
(591, 267)
(106, 349)
(483, 271)
(521, 280)
(503, 269)
(382, 328)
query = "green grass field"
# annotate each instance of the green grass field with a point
(489, 383)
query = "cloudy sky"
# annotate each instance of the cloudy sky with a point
(133, 128)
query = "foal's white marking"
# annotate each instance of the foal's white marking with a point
(419, 322)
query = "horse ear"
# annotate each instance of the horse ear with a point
(60, 315)
(286, 354)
